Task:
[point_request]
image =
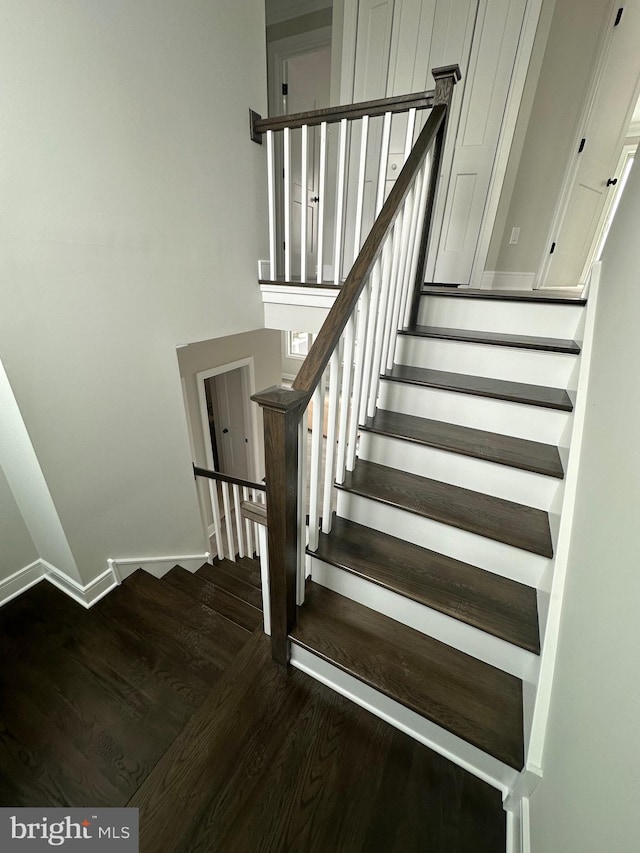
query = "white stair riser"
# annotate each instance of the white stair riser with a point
(455, 749)
(490, 315)
(533, 422)
(532, 367)
(496, 557)
(512, 484)
(459, 635)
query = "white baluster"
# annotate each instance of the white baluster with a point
(316, 464)
(408, 140)
(321, 203)
(215, 512)
(303, 506)
(337, 239)
(412, 247)
(287, 204)
(363, 314)
(360, 192)
(389, 267)
(330, 447)
(392, 332)
(304, 153)
(255, 496)
(264, 577)
(272, 205)
(248, 526)
(384, 157)
(374, 305)
(231, 551)
(345, 402)
(416, 249)
(238, 519)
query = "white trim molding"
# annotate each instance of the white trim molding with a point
(440, 740)
(122, 567)
(20, 581)
(498, 280)
(85, 594)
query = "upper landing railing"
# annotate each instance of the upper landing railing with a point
(339, 380)
(328, 173)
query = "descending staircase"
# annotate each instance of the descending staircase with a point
(430, 589)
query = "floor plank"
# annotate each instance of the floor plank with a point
(325, 781)
(469, 698)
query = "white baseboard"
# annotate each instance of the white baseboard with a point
(86, 595)
(20, 581)
(450, 746)
(156, 566)
(497, 280)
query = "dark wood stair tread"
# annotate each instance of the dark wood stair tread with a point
(495, 518)
(562, 297)
(560, 345)
(494, 604)
(232, 608)
(223, 575)
(482, 386)
(469, 698)
(481, 444)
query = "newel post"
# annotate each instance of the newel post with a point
(281, 409)
(446, 78)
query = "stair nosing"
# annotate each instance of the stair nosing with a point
(505, 296)
(556, 473)
(442, 385)
(561, 346)
(546, 551)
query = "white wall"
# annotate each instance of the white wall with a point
(587, 800)
(131, 221)
(16, 546)
(536, 168)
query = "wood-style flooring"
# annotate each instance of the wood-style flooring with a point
(157, 698)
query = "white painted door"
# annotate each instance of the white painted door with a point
(605, 133)
(307, 78)
(461, 207)
(398, 42)
(230, 423)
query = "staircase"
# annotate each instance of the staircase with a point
(429, 595)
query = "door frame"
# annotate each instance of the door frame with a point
(278, 52)
(247, 378)
(562, 203)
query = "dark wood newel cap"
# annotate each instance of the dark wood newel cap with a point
(447, 71)
(280, 398)
(256, 135)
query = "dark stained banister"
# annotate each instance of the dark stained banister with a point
(282, 407)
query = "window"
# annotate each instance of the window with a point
(298, 344)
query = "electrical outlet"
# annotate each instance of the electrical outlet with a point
(515, 236)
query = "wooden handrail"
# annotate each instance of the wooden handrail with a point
(226, 478)
(332, 115)
(283, 407)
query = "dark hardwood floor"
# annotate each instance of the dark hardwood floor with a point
(157, 698)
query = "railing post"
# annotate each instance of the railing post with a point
(282, 409)
(446, 78)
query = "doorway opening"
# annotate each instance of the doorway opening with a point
(228, 424)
